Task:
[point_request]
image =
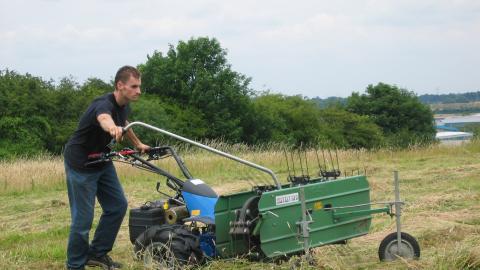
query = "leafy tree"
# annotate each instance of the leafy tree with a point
(296, 120)
(24, 104)
(152, 110)
(196, 76)
(36, 115)
(344, 129)
(402, 117)
(94, 87)
(280, 118)
(23, 136)
(450, 98)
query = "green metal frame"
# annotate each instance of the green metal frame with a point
(282, 226)
(296, 218)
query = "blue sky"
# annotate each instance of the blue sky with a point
(312, 48)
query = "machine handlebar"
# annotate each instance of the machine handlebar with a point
(96, 158)
(153, 154)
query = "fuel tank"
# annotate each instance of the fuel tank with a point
(200, 199)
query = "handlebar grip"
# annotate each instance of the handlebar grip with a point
(159, 150)
(94, 156)
(113, 141)
(127, 152)
(95, 162)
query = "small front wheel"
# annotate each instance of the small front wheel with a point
(389, 250)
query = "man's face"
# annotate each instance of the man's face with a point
(130, 89)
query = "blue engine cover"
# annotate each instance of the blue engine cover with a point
(200, 199)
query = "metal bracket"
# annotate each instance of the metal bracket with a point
(398, 209)
(305, 230)
(337, 216)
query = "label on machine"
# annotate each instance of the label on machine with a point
(287, 198)
(197, 182)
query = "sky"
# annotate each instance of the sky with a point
(310, 48)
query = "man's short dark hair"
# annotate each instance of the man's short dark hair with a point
(124, 73)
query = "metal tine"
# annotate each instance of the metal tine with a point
(331, 159)
(318, 159)
(286, 158)
(306, 161)
(336, 155)
(293, 162)
(324, 160)
(301, 164)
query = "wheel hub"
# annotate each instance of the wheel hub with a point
(393, 251)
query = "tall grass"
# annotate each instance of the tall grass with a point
(26, 174)
(45, 171)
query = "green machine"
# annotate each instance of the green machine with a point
(286, 221)
(269, 222)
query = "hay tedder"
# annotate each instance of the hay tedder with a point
(268, 223)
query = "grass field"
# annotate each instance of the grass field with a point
(440, 184)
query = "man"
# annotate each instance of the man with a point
(102, 121)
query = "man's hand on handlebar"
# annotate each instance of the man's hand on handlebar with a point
(116, 132)
(143, 148)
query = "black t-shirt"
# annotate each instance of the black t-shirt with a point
(89, 136)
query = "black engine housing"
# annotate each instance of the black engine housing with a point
(142, 218)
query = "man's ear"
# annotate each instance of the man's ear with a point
(119, 85)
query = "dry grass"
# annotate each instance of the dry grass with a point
(28, 174)
(440, 184)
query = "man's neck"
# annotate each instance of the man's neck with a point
(121, 101)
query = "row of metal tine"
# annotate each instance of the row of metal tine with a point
(327, 162)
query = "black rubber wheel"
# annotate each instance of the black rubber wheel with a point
(388, 250)
(168, 247)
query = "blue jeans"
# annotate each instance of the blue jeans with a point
(82, 189)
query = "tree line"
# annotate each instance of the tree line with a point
(192, 90)
(450, 98)
(426, 99)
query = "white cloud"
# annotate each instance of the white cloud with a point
(311, 47)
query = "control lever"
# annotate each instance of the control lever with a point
(113, 141)
(168, 196)
(158, 190)
(157, 152)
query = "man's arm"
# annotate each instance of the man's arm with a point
(106, 122)
(136, 141)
